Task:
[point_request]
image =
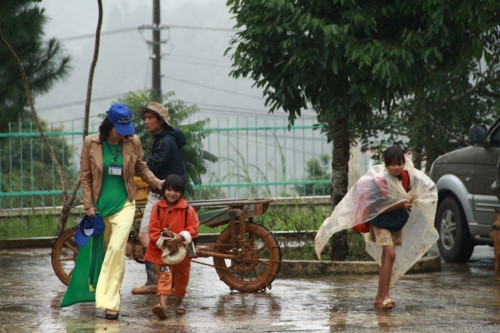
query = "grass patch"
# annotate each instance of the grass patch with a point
(304, 250)
(277, 218)
(28, 226)
(293, 218)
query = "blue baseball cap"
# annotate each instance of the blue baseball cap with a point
(89, 226)
(121, 117)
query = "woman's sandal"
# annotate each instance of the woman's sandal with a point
(180, 309)
(111, 315)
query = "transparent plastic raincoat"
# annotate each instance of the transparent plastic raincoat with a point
(372, 194)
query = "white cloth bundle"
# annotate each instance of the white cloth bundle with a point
(170, 257)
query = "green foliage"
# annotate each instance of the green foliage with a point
(304, 250)
(193, 153)
(22, 22)
(29, 226)
(317, 169)
(245, 174)
(442, 111)
(242, 171)
(294, 217)
(304, 52)
(356, 246)
(208, 193)
(300, 251)
(26, 166)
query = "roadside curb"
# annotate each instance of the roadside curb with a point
(294, 268)
(20, 243)
(289, 268)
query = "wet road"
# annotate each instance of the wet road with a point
(459, 298)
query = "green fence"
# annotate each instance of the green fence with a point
(257, 157)
(263, 157)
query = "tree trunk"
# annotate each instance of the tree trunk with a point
(69, 202)
(417, 157)
(340, 170)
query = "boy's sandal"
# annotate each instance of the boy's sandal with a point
(385, 305)
(180, 309)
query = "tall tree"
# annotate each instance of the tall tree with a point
(442, 111)
(346, 57)
(44, 62)
(68, 196)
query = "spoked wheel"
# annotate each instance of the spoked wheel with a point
(134, 248)
(64, 254)
(251, 265)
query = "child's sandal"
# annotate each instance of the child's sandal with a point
(180, 309)
(160, 311)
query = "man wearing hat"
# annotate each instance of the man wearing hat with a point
(166, 158)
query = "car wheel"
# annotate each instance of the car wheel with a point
(455, 243)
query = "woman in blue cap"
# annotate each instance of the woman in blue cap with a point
(108, 163)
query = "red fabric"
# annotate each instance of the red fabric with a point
(405, 179)
(172, 219)
(363, 227)
(165, 283)
(176, 281)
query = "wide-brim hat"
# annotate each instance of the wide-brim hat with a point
(121, 117)
(175, 256)
(156, 108)
(89, 227)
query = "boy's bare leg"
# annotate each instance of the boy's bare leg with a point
(387, 263)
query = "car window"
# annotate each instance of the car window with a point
(495, 138)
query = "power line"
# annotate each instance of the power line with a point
(198, 61)
(128, 29)
(80, 102)
(118, 95)
(211, 88)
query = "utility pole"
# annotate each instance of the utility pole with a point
(156, 71)
(156, 47)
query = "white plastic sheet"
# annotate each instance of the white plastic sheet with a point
(373, 193)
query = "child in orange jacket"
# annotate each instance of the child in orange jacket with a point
(174, 216)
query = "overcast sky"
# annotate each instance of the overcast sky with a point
(197, 33)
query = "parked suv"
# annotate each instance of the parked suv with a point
(466, 181)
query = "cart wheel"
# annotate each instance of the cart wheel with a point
(255, 264)
(64, 254)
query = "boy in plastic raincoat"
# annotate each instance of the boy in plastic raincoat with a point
(375, 194)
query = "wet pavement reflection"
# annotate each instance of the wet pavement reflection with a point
(459, 298)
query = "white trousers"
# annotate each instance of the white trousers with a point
(146, 216)
(116, 234)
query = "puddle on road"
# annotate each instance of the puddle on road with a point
(426, 302)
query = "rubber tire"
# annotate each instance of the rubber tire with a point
(256, 263)
(64, 252)
(455, 242)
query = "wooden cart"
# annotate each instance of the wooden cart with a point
(246, 255)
